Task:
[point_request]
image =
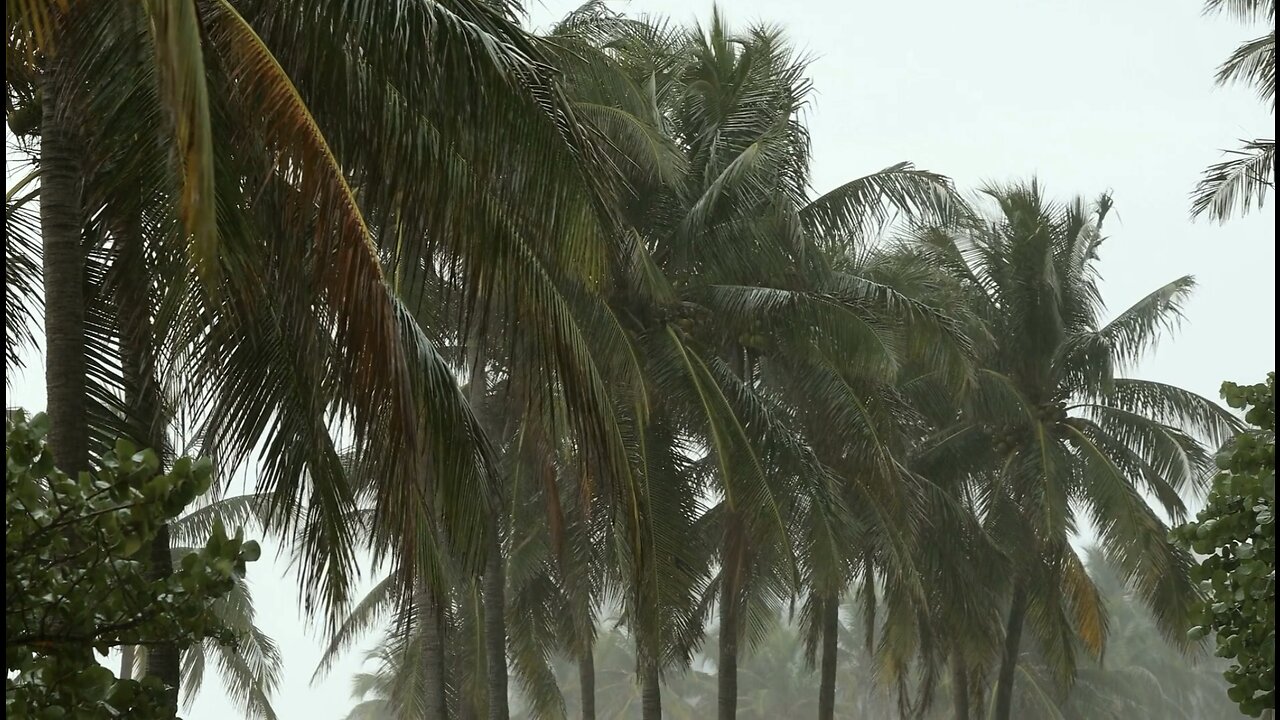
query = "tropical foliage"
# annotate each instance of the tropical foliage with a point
(556, 328)
(1235, 532)
(1240, 184)
(76, 580)
(1142, 675)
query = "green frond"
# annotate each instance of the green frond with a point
(182, 80)
(1244, 10)
(1136, 541)
(1237, 185)
(862, 207)
(651, 155)
(1135, 329)
(371, 609)
(23, 270)
(1173, 406)
(1254, 64)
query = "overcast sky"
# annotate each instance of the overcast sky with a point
(1089, 95)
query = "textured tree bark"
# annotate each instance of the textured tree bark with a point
(142, 395)
(960, 687)
(60, 222)
(433, 665)
(727, 667)
(830, 634)
(650, 691)
(164, 660)
(127, 653)
(495, 626)
(1009, 661)
(587, 683)
(493, 584)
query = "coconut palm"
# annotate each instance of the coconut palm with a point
(265, 346)
(1051, 429)
(724, 230)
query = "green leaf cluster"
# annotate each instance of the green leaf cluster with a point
(1236, 533)
(76, 579)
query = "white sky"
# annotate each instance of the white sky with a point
(1088, 95)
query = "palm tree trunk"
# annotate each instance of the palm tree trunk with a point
(1009, 662)
(164, 660)
(960, 687)
(60, 222)
(733, 558)
(827, 685)
(587, 683)
(127, 654)
(493, 584)
(495, 625)
(142, 394)
(437, 701)
(727, 667)
(650, 690)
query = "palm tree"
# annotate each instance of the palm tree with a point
(260, 350)
(1236, 185)
(708, 125)
(1051, 429)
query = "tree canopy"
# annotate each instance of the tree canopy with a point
(555, 328)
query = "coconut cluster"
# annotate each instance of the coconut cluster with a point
(1008, 438)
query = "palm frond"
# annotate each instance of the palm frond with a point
(861, 207)
(372, 608)
(23, 269)
(1245, 10)
(1253, 63)
(1236, 185)
(1173, 406)
(182, 81)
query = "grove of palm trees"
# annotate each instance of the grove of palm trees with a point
(563, 392)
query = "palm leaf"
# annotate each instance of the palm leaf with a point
(1236, 185)
(182, 81)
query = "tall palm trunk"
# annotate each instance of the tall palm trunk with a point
(1009, 661)
(60, 222)
(650, 690)
(493, 584)
(164, 660)
(433, 664)
(727, 667)
(830, 632)
(142, 394)
(732, 556)
(587, 682)
(960, 687)
(495, 624)
(127, 654)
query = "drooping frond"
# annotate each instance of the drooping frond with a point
(1245, 10)
(1237, 185)
(22, 272)
(183, 88)
(374, 607)
(1254, 64)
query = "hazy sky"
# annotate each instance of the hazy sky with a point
(1089, 95)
